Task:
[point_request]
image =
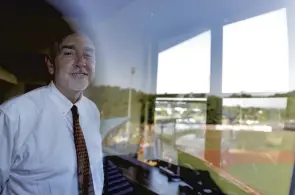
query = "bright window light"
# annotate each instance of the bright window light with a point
(185, 68)
(255, 54)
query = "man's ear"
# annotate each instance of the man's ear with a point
(49, 63)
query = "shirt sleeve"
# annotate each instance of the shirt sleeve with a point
(7, 134)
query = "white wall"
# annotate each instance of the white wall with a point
(122, 44)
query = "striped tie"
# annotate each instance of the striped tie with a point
(83, 166)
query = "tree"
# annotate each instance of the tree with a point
(214, 110)
(290, 111)
(113, 101)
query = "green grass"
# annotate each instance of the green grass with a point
(249, 140)
(270, 179)
(258, 140)
(197, 164)
(169, 138)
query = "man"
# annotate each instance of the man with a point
(49, 138)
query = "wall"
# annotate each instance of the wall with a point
(122, 43)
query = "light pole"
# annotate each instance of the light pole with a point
(130, 102)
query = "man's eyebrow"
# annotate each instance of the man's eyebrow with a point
(67, 47)
(89, 49)
(86, 49)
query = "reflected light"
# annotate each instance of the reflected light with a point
(255, 54)
(185, 68)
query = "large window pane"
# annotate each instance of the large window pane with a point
(185, 68)
(181, 124)
(255, 149)
(255, 54)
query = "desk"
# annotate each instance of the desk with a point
(150, 177)
(160, 185)
(149, 180)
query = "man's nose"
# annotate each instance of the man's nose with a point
(81, 62)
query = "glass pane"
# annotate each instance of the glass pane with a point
(254, 142)
(208, 87)
(252, 46)
(185, 67)
(182, 124)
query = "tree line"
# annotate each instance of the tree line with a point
(113, 102)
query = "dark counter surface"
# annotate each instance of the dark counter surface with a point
(153, 181)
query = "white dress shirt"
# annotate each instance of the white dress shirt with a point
(37, 150)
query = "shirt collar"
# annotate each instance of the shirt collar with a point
(63, 103)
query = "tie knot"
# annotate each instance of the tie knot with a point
(74, 110)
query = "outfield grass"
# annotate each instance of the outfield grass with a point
(259, 140)
(270, 179)
(170, 138)
(195, 163)
(248, 140)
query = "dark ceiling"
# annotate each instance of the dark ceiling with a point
(29, 26)
(33, 24)
(26, 28)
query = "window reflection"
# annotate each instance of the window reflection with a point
(182, 124)
(253, 142)
(214, 95)
(254, 111)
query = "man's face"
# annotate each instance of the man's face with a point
(74, 64)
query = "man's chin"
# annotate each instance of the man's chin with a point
(79, 87)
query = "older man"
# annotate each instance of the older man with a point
(49, 138)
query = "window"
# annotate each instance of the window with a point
(255, 54)
(185, 68)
